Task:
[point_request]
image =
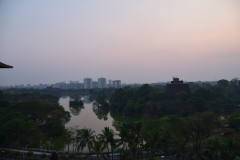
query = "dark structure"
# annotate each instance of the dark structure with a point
(2, 65)
(54, 156)
(176, 86)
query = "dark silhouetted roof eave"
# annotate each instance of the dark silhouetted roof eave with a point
(2, 65)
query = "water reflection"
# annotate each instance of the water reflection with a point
(92, 117)
(101, 113)
(87, 100)
(75, 109)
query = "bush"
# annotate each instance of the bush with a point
(29, 153)
(16, 154)
(6, 151)
(35, 156)
(71, 155)
(43, 156)
(63, 157)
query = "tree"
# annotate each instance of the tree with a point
(106, 137)
(15, 123)
(98, 147)
(231, 148)
(50, 117)
(234, 82)
(119, 99)
(215, 147)
(75, 97)
(179, 143)
(223, 83)
(85, 138)
(129, 108)
(4, 103)
(102, 100)
(123, 137)
(197, 150)
(153, 140)
(233, 121)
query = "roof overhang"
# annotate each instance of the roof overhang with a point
(2, 65)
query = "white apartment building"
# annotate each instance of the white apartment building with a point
(87, 83)
(117, 84)
(102, 82)
(94, 84)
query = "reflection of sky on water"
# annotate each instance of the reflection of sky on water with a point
(64, 97)
(86, 100)
(92, 117)
(87, 117)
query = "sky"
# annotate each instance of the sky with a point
(137, 41)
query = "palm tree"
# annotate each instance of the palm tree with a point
(215, 147)
(133, 147)
(137, 129)
(153, 140)
(98, 147)
(85, 138)
(198, 150)
(179, 144)
(166, 138)
(231, 148)
(124, 137)
(113, 143)
(106, 137)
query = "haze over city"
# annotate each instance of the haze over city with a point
(134, 41)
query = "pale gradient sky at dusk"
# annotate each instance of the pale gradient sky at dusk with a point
(138, 41)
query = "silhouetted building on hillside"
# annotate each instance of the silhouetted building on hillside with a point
(176, 86)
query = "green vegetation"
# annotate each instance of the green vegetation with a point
(43, 156)
(220, 99)
(194, 137)
(31, 119)
(75, 100)
(202, 125)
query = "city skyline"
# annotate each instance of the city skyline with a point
(136, 42)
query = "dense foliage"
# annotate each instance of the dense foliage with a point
(204, 124)
(29, 118)
(200, 136)
(218, 99)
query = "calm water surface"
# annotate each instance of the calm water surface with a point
(93, 118)
(86, 117)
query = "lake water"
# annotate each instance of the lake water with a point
(92, 117)
(86, 116)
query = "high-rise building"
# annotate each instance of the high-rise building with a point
(87, 83)
(110, 82)
(117, 84)
(102, 82)
(94, 84)
(109, 85)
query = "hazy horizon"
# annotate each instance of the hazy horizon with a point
(135, 41)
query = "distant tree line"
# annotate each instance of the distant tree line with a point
(220, 99)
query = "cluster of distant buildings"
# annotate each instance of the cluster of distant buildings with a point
(40, 86)
(101, 83)
(88, 83)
